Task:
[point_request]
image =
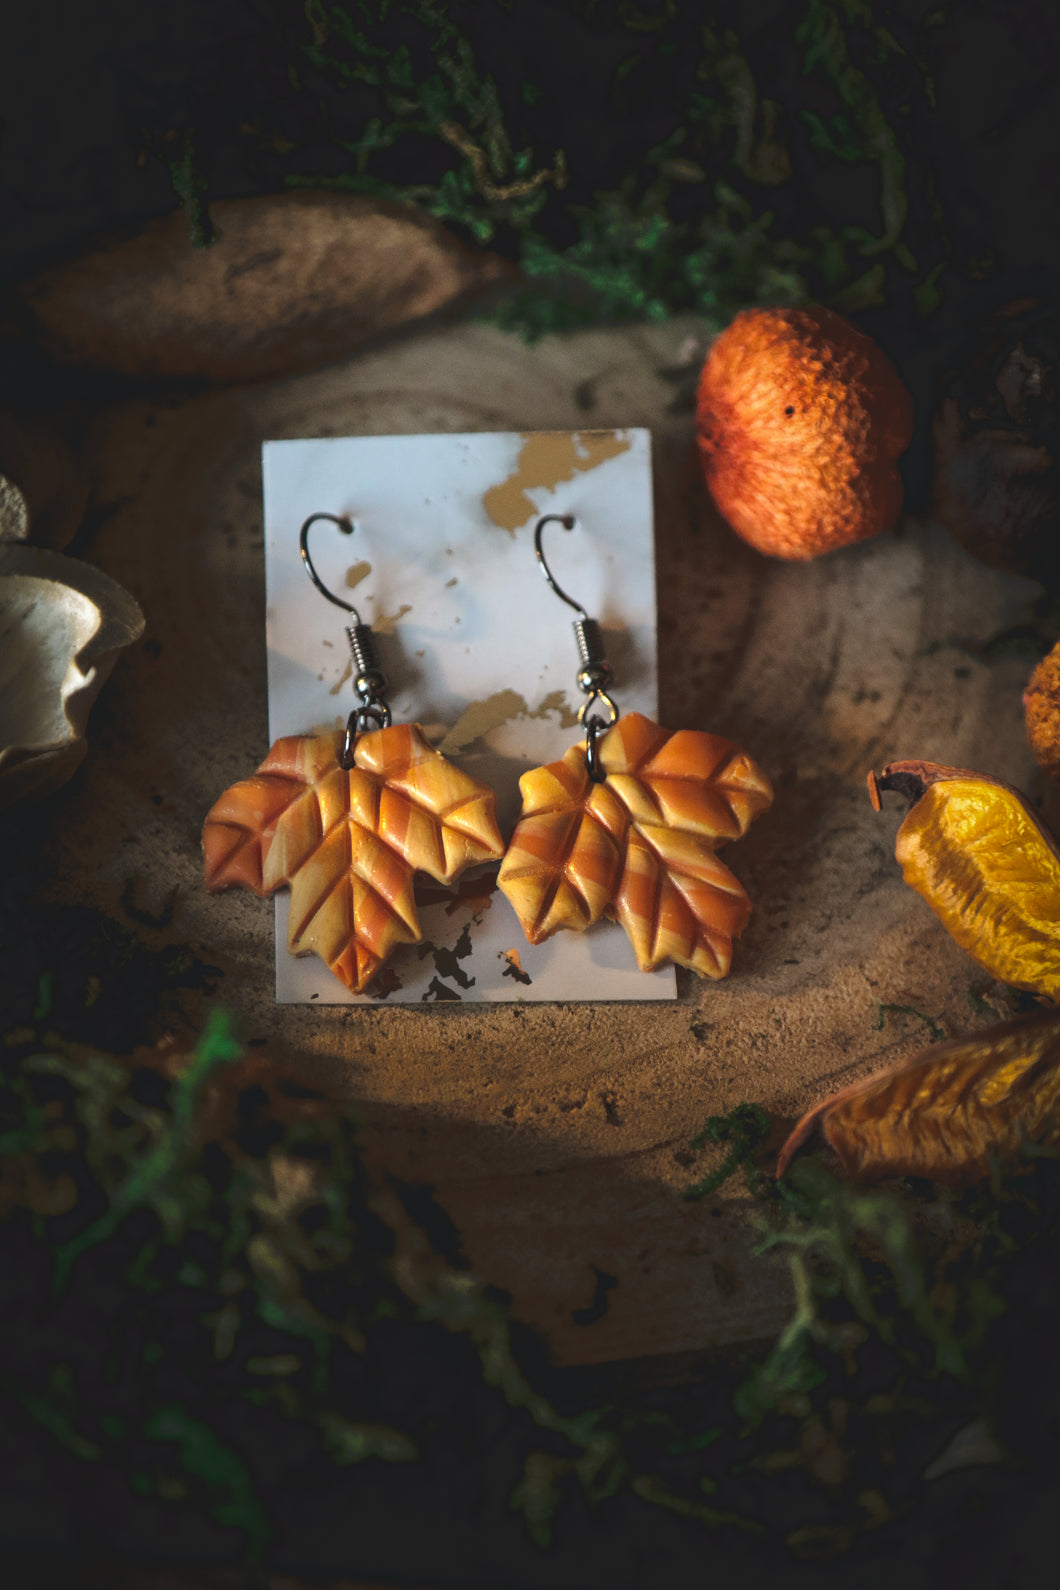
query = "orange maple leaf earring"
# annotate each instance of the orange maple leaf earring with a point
(346, 819)
(626, 825)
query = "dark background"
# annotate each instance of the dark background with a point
(101, 101)
(95, 100)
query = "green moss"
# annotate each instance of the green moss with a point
(147, 1180)
(745, 1128)
(936, 1032)
(191, 186)
(231, 1495)
(640, 167)
(211, 1291)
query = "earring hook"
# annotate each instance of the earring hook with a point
(594, 672)
(567, 521)
(369, 680)
(346, 526)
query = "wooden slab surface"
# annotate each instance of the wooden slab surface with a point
(557, 1138)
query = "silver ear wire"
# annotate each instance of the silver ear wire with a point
(369, 680)
(594, 673)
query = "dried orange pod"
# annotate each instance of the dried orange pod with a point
(951, 1112)
(348, 842)
(1041, 712)
(800, 421)
(639, 844)
(986, 865)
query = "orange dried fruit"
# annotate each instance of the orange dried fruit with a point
(800, 421)
(1041, 711)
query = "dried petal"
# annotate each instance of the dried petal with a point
(986, 865)
(951, 1111)
(348, 842)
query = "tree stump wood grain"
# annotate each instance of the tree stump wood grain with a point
(557, 1137)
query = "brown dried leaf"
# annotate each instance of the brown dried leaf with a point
(348, 842)
(950, 1112)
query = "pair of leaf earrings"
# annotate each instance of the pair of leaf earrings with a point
(625, 825)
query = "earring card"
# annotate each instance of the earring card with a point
(478, 650)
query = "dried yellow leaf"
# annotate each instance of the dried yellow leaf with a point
(986, 865)
(950, 1112)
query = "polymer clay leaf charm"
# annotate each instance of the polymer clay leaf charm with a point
(638, 844)
(348, 841)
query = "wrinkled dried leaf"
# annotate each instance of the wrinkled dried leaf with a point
(639, 846)
(952, 1111)
(348, 842)
(974, 849)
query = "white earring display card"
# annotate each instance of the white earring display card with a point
(477, 650)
